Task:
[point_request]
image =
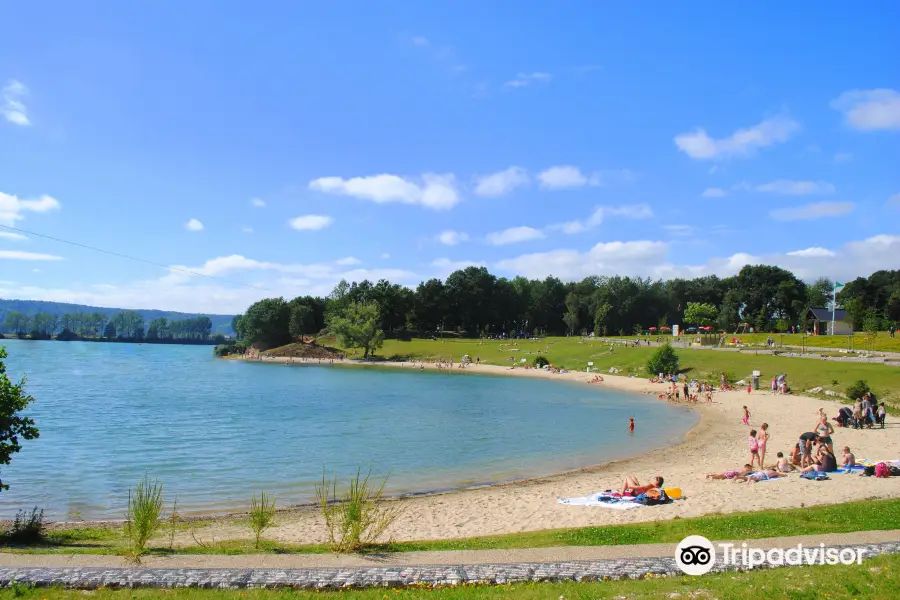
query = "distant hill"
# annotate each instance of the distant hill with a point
(220, 323)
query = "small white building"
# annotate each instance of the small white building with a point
(819, 322)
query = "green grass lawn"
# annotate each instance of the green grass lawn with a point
(867, 515)
(574, 354)
(875, 578)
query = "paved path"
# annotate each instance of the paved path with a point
(399, 569)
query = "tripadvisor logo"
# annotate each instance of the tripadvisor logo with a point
(695, 555)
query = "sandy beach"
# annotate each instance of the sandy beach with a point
(717, 443)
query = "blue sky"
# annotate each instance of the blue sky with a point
(289, 144)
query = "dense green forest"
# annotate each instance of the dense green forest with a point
(472, 301)
(86, 318)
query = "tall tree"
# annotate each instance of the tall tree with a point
(267, 323)
(357, 327)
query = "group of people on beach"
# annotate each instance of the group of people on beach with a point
(813, 453)
(866, 413)
(691, 392)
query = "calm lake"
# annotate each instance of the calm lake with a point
(216, 431)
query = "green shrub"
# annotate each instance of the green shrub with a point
(857, 390)
(664, 360)
(227, 349)
(144, 515)
(26, 528)
(357, 517)
(262, 514)
(541, 361)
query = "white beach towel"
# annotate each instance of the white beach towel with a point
(595, 500)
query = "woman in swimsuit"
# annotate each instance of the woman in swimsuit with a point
(761, 440)
(824, 429)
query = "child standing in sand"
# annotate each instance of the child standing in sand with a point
(762, 438)
(754, 449)
(746, 419)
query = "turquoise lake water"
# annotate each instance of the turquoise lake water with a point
(216, 431)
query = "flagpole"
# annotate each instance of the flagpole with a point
(833, 303)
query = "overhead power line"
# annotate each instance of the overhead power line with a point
(134, 258)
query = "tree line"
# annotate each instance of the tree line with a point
(475, 302)
(127, 325)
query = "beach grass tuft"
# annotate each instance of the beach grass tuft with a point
(262, 515)
(144, 515)
(357, 517)
(26, 528)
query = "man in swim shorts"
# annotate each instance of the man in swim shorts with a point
(806, 441)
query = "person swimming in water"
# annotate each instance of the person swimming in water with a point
(631, 425)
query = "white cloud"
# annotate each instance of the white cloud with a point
(311, 222)
(445, 266)
(514, 235)
(452, 238)
(649, 259)
(257, 202)
(385, 256)
(434, 191)
(796, 188)
(894, 200)
(566, 177)
(842, 157)
(20, 255)
(420, 41)
(870, 110)
(12, 208)
(605, 258)
(502, 182)
(184, 292)
(247, 229)
(9, 235)
(347, 261)
(816, 210)
(700, 146)
(679, 229)
(631, 211)
(526, 79)
(628, 211)
(194, 225)
(814, 252)
(11, 106)
(714, 193)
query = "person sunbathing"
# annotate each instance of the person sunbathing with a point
(632, 487)
(731, 474)
(758, 476)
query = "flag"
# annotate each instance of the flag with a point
(838, 285)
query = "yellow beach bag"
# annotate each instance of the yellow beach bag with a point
(673, 493)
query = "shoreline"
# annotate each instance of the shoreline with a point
(576, 377)
(716, 443)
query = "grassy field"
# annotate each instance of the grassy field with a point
(574, 354)
(876, 578)
(868, 515)
(857, 342)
